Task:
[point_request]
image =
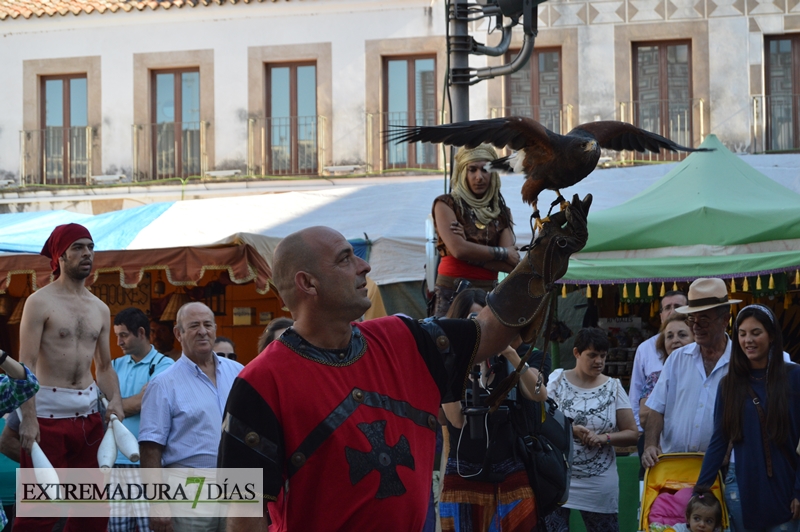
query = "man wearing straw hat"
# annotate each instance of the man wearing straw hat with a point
(682, 402)
(64, 329)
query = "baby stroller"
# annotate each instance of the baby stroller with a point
(672, 473)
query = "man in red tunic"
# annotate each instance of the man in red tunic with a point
(341, 415)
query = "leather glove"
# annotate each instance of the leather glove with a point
(518, 299)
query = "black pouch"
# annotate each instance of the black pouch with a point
(544, 436)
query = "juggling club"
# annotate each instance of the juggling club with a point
(126, 441)
(43, 469)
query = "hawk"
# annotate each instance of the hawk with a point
(548, 160)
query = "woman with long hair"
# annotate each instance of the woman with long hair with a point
(758, 411)
(474, 228)
(486, 485)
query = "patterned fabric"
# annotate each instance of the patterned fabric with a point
(13, 393)
(595, 482)
(649, 383)
(558, 521)
(472, 506)
(118, 522)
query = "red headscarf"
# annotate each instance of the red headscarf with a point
(60, 240)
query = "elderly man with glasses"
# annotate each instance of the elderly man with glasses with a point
(682, 402)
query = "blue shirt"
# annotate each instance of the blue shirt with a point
(132, 376)
(182, 410)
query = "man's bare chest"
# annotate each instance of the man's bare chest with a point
(73, 323)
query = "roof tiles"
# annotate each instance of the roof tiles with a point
(12, 9)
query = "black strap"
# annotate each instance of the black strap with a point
(762, 420)
(341, 413)
(243, 433)
(153, 366)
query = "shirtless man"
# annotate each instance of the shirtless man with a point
(64, 328)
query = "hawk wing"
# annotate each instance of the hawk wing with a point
(514, 132)
(614, 135)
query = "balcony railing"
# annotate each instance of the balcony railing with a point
(401, 155)
(678, 120)
(169, 150)
(557, 119)
(292, 145)
(56, 156)
(776, 123)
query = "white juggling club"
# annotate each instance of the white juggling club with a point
(43, 469)
(107, 453)
(126, 441)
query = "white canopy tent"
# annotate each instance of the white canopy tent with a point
(391, 213)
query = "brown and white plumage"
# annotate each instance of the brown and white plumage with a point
(548, 160)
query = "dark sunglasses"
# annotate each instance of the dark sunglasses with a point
(231, 356)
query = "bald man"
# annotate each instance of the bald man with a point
(182, 410)
(343, 414)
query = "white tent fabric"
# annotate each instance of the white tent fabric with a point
(392, 213)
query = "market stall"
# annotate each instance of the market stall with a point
(232, 278)
(712, 215)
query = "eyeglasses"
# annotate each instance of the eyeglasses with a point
(700, 321)
(231, 356)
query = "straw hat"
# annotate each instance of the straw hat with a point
(705, 294)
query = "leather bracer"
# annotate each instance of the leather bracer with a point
(517, 300)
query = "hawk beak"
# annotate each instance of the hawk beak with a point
(591, 146)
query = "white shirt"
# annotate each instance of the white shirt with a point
(685, 396)
(594, 485)
(646, 362)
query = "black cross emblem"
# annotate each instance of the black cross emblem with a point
(382, 458)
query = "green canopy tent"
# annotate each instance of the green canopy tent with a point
(712, 216)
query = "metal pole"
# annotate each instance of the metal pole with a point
(459, 48)
(22, 153)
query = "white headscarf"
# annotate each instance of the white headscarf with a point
(486, 208)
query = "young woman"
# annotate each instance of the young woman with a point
(473, 226)
(758, 411)
(603, 419)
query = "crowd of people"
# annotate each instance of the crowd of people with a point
(295, 411)
(171, 399)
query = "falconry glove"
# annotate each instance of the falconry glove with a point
(517, 300)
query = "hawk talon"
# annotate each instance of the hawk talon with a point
(538, 223)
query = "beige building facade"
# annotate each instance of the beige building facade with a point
(100, 92)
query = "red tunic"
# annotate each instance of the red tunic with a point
(373, 470)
